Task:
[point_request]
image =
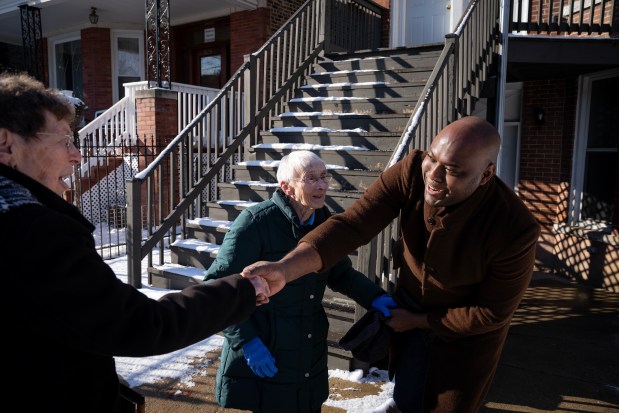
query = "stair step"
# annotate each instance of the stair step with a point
(384, 141)
(193, 252)
(415, 74)
(207, 229)
(368, 123)
(175, 276)
(345, 62)
(336, 200)
(411, 90)
(360, 158)
(348, 104)
(343, 179)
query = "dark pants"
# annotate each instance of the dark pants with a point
(410, 372)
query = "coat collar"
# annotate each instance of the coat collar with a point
(20, 190)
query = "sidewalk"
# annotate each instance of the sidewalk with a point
(562, 352)
(561, 355)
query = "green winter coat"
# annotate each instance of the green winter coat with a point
(293, 325)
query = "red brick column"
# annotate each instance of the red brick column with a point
(96, 69)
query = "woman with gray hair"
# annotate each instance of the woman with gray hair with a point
(277, 360)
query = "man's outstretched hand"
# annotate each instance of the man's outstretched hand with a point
(271, 272)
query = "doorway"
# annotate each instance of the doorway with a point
(209, 67)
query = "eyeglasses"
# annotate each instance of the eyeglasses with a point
(70, 138)
(313, 180)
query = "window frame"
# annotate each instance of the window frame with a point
(51, 53)
(581, 137)
(114, 36)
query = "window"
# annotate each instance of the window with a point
(127, 60)
(596, 152)
(66, 65)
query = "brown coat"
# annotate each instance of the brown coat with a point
(467, 266)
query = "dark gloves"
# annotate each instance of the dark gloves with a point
(259, 358)
(383, 303)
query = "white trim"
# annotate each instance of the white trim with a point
(580, 141)
(132, 34)
(398, 23)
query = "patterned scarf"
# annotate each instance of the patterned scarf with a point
(13, 195)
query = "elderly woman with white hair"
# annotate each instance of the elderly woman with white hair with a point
(277, 360)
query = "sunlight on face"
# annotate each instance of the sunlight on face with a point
(48, 159)
(306, 197)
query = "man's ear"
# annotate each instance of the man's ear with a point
(487, 174)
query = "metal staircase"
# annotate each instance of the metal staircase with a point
(351, 111)
(306, 88)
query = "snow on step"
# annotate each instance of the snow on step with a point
(259, 183)
(275, 164)
(328, 113)
(341, 72)
(310, 147)
(209, 222)
(196, 245)
(328, 98)
(335, 85)
(236, 203)
(190, 272)
(313, 129)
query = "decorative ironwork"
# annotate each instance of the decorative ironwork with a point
(158, 43)
(32, 40)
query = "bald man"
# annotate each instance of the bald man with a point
(466, 254)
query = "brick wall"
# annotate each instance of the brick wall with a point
(281, 10)
(386, 21)
(546, 149)
(249, 30)
(96, 69)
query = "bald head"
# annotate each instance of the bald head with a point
(473, 135)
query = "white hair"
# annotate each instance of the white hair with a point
(292, 165)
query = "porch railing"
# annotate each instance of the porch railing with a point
(564, 17)
(203, 153)
(117, 127)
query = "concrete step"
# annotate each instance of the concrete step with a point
(337, 201)
(207, 229)
(411, 90)
(350, 157)
(338, 121)
(383, 141)
(421, 59)
(175, 276)
(347, 104)
(193, 252)
(416, 74)
(343, 179)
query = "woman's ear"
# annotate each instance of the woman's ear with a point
(6, 153)
(286, 187)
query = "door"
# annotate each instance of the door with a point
(418, 22)
(428, 21)
(210, 67)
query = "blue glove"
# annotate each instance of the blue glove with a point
(259, 358)
(383, 303)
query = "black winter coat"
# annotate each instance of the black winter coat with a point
(65, 314)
